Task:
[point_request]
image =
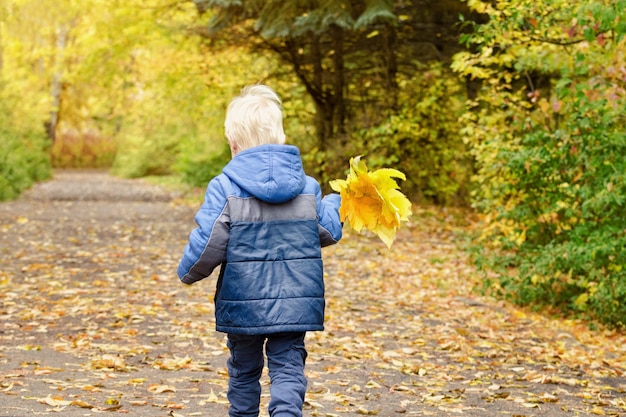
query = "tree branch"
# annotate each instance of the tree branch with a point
(560, 42)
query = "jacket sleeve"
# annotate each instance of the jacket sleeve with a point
(206, 248)
(330, 224)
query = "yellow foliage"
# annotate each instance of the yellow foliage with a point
(372, 200)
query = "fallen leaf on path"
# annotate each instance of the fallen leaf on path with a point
(159, 389)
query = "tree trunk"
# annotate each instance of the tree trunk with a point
(391, 62)
(322, 96)
(1, 48)
(318, 85)
(55, 87)
(338, 84)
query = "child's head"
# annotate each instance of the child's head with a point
(254, 118)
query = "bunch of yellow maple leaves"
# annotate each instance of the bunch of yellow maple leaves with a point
(372, 200)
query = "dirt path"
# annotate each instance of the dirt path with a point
(93, 319)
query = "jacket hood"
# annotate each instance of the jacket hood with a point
(271, 173)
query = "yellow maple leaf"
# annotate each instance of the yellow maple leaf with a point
(372, 200)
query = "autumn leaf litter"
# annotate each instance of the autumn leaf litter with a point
(93, 320)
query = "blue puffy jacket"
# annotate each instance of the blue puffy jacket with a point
(264, 221)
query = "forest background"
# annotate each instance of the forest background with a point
(513, 108)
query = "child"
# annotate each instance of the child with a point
(264, 222)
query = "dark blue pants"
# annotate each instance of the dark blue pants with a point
(286, 356)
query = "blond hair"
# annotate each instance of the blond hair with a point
(254, 118)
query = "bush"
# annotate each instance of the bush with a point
(422, 138)
(142, 156)
(23, 161)
(548, 133)
(197, 169)
(23, 155)
(82, 150)
(569, 232)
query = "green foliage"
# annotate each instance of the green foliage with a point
(23, 155)
(376, 11)
(149, 140)
(298, 18)
(169, 107)
(422, 138)
(548, 133)
(197, 168)
(144, 156)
